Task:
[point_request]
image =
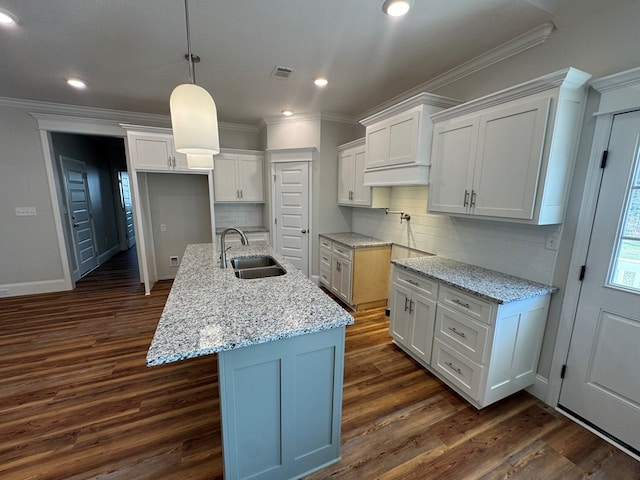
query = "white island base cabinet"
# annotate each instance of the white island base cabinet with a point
(281, 405)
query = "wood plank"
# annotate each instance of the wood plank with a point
(77, 401)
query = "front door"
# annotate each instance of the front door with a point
(602, 381)
(292, 213)
(79, 212)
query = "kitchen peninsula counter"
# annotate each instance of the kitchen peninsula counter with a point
(210, 310)
(280, 347)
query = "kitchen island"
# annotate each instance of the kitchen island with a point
(280, 346)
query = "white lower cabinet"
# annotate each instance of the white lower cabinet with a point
(483, 350)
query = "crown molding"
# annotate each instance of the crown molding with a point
(307, 117)
(568, 80)
(628, 78)
(415, 101)
(502, 52)
(104, 114)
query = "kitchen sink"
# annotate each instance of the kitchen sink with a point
(260, 272)
(260, 266)
(240, 263)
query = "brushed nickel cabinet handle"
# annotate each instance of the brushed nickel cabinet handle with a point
(466, 198)
(461, 334)
(462, 304)
(455, 369)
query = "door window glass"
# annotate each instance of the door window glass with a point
(626, 263)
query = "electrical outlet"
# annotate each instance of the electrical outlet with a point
(174, 261)
(163, 227)
(26, 211)
(553, 239)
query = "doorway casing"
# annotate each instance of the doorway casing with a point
(620, 93)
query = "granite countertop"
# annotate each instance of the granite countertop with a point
(210, 310)
(481, 282)
(355, 240)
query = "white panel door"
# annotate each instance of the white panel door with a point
(127, 207)
(79, 212)
(292, 213)
(602, 381)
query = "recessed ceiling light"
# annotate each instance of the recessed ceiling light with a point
(321, 82)
(287, 113)
(6, 18)
(77, 83)
(396, 8)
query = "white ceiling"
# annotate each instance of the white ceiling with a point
(131, 52)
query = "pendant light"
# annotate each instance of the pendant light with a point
(194, 117)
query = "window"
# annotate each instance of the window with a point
(626, 263)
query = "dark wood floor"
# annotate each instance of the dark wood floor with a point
(78, 402)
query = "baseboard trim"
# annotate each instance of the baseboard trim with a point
(33, 288)
(539, 388)
(103, 257)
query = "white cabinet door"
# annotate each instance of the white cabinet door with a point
(454, 148)
(341, 278)
(250, 179)
(400, 319)
(377, 145)
(238, 178)
(403, 138)
(422, 314)
(345, 177)
(151, 152)
(361, 195)
(225, 179)
(509, 155)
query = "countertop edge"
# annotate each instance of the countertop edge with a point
(544, 289)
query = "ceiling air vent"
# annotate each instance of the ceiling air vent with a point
(281, 73)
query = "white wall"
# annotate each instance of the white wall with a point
(30, 251)
(181, 203)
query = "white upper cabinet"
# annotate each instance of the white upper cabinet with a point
(351, 188)
(510, 155)
(151, 150)
(398, 141)
(238, 176)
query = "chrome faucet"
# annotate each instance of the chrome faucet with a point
(223, 250)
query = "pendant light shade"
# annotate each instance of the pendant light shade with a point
(199, 162)
(194, 119)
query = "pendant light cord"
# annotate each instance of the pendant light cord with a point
(192, 70)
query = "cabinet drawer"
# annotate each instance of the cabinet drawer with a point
(341, 250)
(475, 308)
(422, 285)
(326, 243)
(325, 258)
(325, 275)
(462, 334)
(456, 368)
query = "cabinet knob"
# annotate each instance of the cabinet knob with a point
(303, 231)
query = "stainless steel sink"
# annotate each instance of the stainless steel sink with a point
(240, 263)
(259, 266)
(260, 272)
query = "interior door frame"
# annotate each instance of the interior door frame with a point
(619, 94)
(47, 123)
(293, 155)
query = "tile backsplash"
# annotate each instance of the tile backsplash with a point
(511, 248)
(239, 214)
